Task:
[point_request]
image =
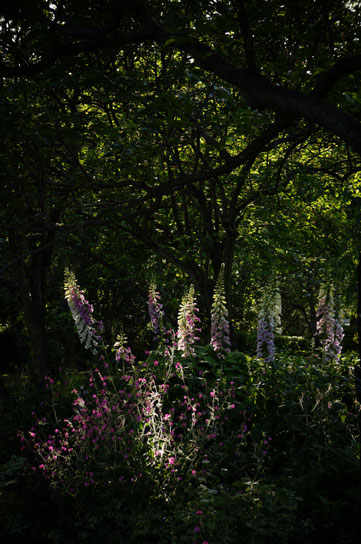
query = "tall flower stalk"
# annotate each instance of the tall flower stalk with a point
(339, 336)
(265, 338)
(187, 320)
(219, 317)
(269, 322)
(89, 330)
(156, 312)
(329, 329)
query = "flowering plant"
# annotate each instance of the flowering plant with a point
(219, 317)
(269, 321)
(88, 328)
(122, 352)
(329, 329)
(187, 320)
(156, 312)
(135, 419)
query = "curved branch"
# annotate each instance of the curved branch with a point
(260, 92)
(248, 153)
(339, 70)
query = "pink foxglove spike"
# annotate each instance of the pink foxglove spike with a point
(219, 317)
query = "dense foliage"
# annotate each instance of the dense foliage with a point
(185, 445)
(160, 139)
(178, 452)
(204, 152)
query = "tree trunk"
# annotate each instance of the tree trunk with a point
(32, 294)
(4, 394)
(31, 277)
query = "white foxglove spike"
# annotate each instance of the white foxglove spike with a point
(187, 320)
(219, 317)
(81, 310)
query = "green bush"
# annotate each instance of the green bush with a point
(291, 477)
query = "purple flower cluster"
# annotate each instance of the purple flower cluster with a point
(329, 329)
(187, 320)
(88, 328)
(219, 317)
(269, 321)
(123, 353)
(156, 312)
(265, 340)
(132, 426)
(339, 336)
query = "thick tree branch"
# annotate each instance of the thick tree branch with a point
(258, 90)
(339, 70)
(262, 93)
(247, 36)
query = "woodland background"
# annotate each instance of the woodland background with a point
(153, 141)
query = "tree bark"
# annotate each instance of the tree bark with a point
(359, 305)
(31, 278)
(31, 291)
